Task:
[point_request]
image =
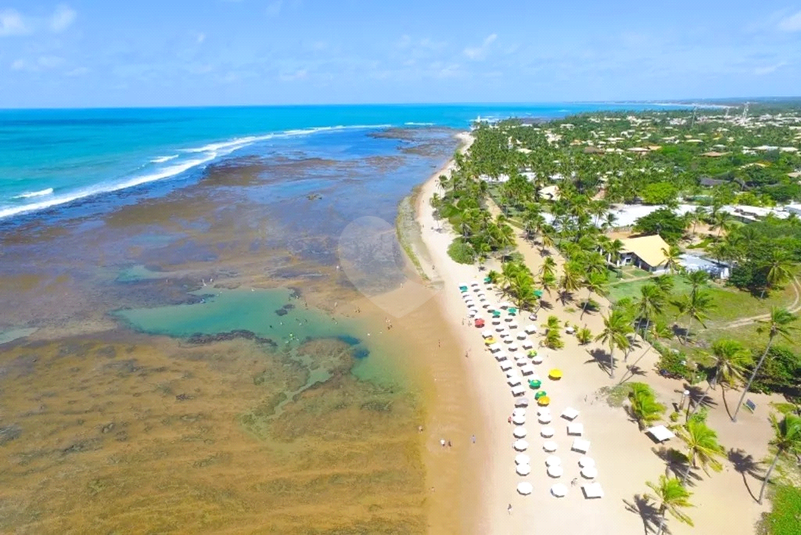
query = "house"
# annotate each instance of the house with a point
(793, 208)
(712, 182)
(716, 270)
(644, 252)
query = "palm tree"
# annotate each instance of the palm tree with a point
(672, 498)
(548, 266)
(730, 361)
(787, 439)
(658, 331)
(777, 268)
(617, 327)
(650, 304)
(695, 306)
(644, 406)
(665, 284)
(672, 257)
(594, 282)
(720, 221)
(702, 445)
(696, 279)
(570, 281)
(777, 325)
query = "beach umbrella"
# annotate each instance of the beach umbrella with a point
(549, 446)
(505, 335)
(462, 289)
(586, 462)
(474, 283)
(472, 313)
(520, 445)
(524, 488)
(512, 347)
(522, 458)
(485, 304)
(522, 402)
(555, 471)
(544, 419)
(537, 293)
(553, 460)
(479, 322)
(547, 432)
(531, 329)
(519, 420)
(535, 384)
(527, 344)
(523, 469)
(521, 336)
(487, 280)
(540, 394)
(589, 473)
(559, 490)
(544, 401)
(532, 354)
(489, 341)
(519, 432)
(537, 360)
(555, 374)
(513, 325)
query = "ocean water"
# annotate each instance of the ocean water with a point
(53, 157)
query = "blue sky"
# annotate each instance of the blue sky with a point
(230, 52)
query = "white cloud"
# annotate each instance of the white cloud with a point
(201, 37)
(49, 62)
(12, 23)
(274, 8)
(791, 23)
(79, 71)
(19, 65)
(300, 74)
(761, 71)
(62, 18)
(480, 52)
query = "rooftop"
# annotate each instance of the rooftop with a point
(647, 248)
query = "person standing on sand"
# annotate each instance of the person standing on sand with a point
(509, 509)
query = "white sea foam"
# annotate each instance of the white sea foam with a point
(41, 193)
(162, 159)
(411, 123)
(206, 154)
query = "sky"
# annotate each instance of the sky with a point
(99, 53)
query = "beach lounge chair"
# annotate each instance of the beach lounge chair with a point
(660, 433)
(505, 365)
(513, 381)
(522, 402)
(486, 334)
(580, 445)
(592, 491)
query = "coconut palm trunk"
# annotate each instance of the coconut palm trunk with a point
(751, 379)
(767, 476)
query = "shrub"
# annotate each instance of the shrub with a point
(584, 336)
(553, 339)
(461, 252)
(671, 365)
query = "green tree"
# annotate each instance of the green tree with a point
(696, 307)
(779, 324)
(672, 497)
(570, 281)
(777, 268)
(617, 327)
(650, 304)
(644, 406)
(786, 440)
(730, 359)
(594, 282)
(702, 445)
(672, 256)
(662, 222)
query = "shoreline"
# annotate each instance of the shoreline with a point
(625, 457)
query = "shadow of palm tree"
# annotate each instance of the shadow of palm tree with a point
(632, 371)
(565, 297)
(745, 465)
(601, 358)
(698, 395)
(649, 514)
(676, 464)
(546, 305)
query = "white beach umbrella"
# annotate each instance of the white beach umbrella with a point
(531, 329)
(485, 305)
(549, 446)
(497, 321)
(547, 432)
(500, 355)
(520, 445)
(523, 469)
(589, 472)
(555, 471)
(519, 432)
(522, 458)
(527, 344)
(505, 335)
(524, 488)
(508, 340)
(513, 325)
(543, 410)
(519, 410)
(559, 490)
(519, 420)
(505, 304)
(544, 419)
(522, 336)
(537, 360)
(586, 462)
(472, 313)
(512, 347)
(482, 298)
(509, 319)
(553, 460)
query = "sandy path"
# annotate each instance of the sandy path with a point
(623, 455)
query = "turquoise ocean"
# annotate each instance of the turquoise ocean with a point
(54, 158)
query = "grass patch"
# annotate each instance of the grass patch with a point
(785, 517)
(616, 395)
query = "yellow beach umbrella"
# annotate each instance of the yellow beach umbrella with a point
(555, 374)
(489, 341)
(544, 401)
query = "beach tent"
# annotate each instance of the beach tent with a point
(521, 445)
(553, 460)
(523, 469)
(575, 429)
(559, 490)
(522, 458)
(519, 432)
(593, 490)
(570, 414)
(524, 488)
(549, 446)
(660, 433)
(580, 445)
(555, 471)
(518, 390)
(547, 432)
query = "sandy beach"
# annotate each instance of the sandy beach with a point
(625, 457)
